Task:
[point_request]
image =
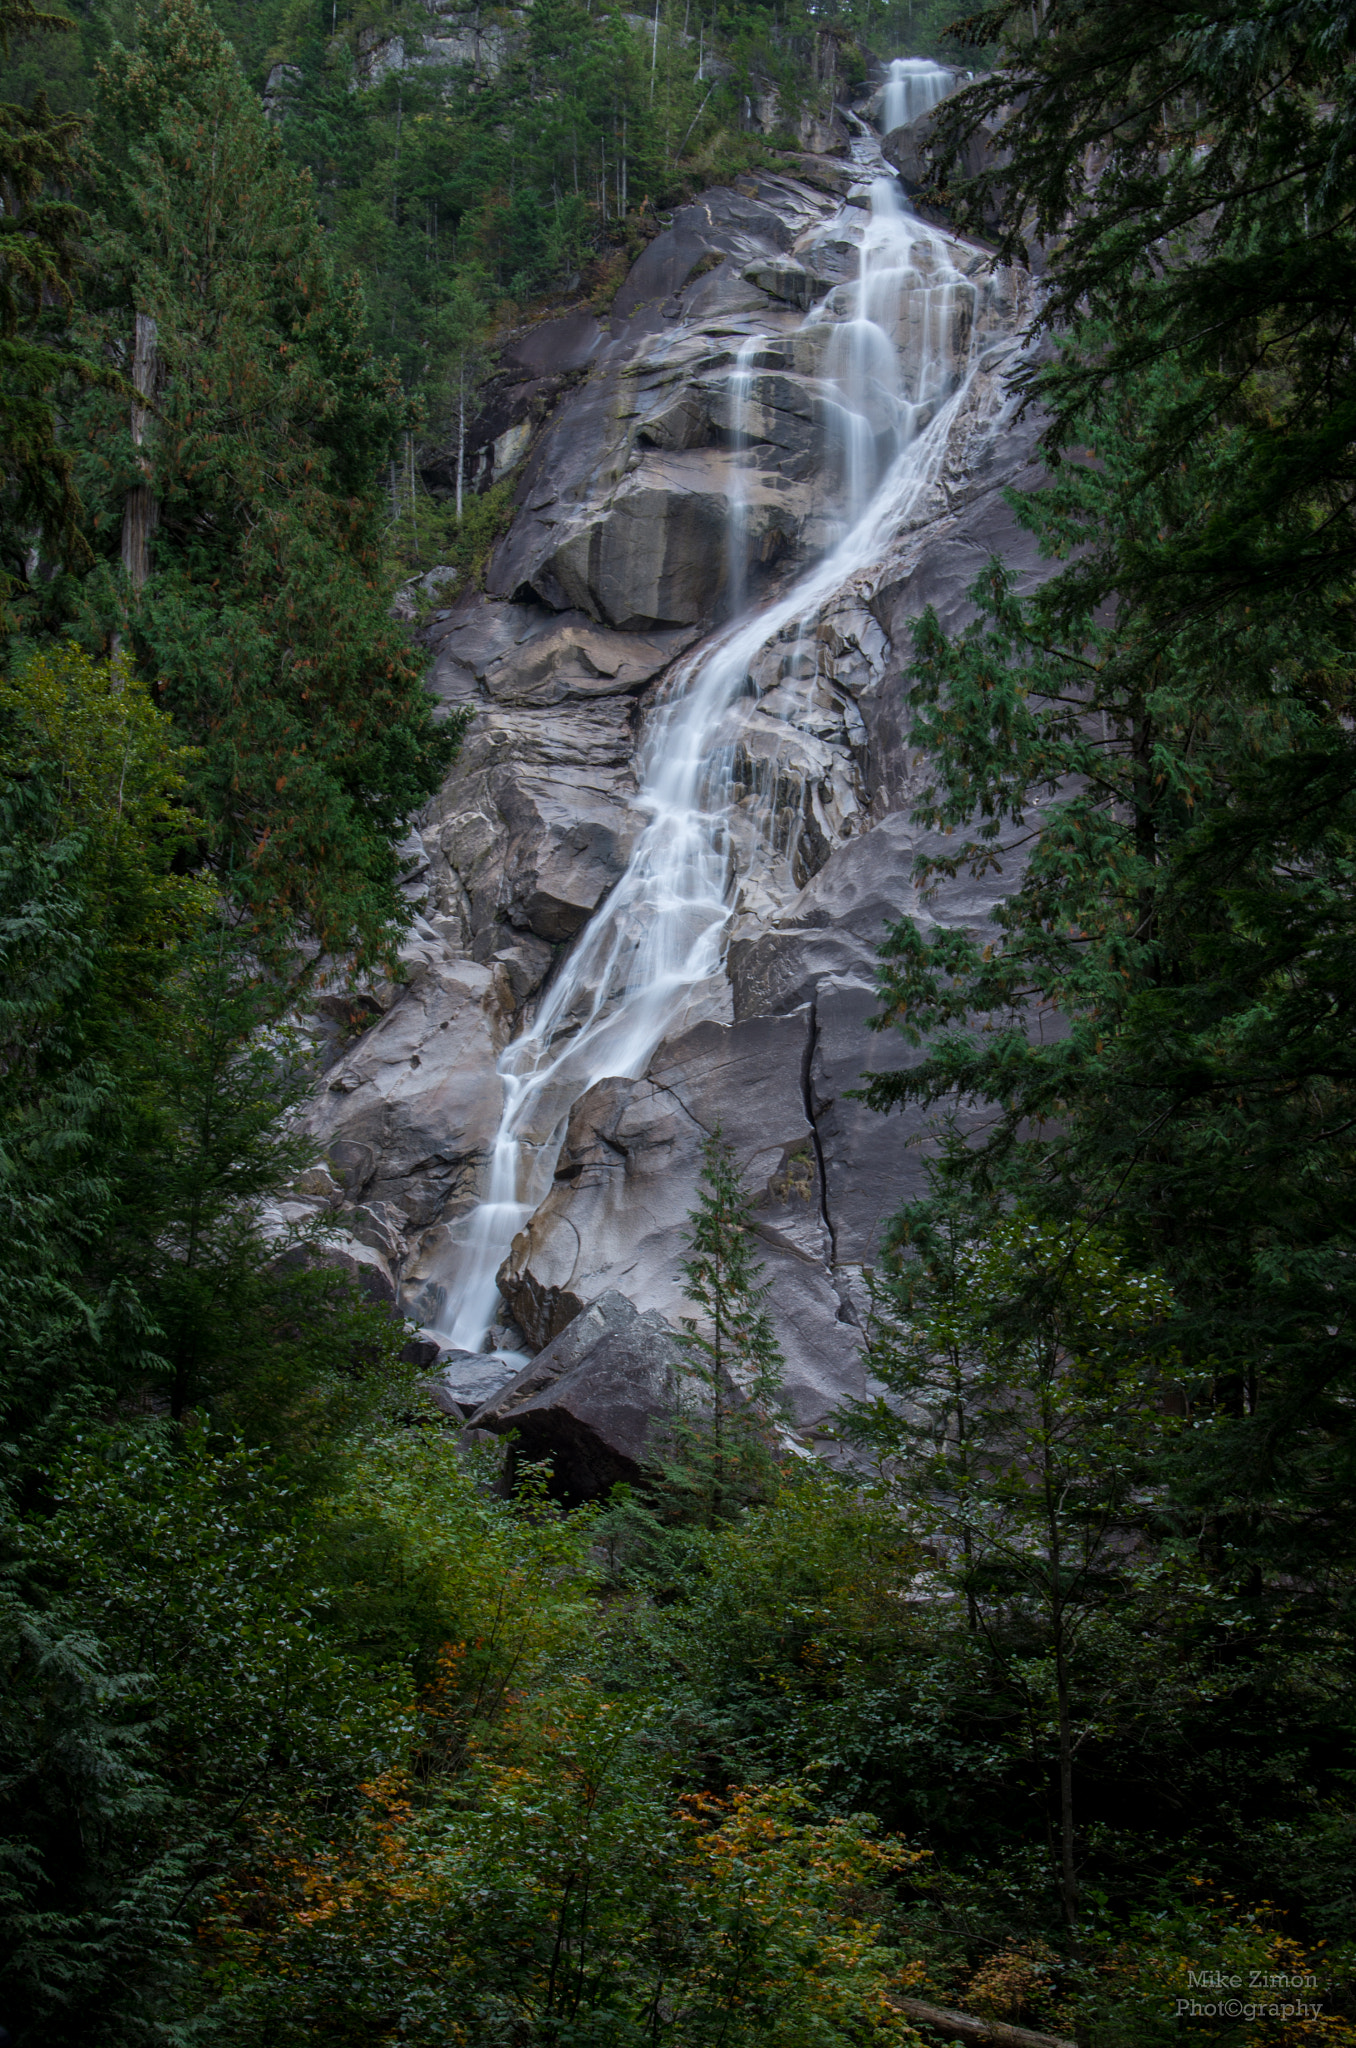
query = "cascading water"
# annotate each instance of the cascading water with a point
(913, 86)
(736, 540)
(652, 954)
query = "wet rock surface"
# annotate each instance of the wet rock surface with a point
(619, 560)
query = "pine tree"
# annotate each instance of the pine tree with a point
(733, 1359)
(239, 498)
(1185, 906)
(40, 231)
(1194, 181)
(1027, 1369)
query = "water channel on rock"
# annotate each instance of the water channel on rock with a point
(899, 359)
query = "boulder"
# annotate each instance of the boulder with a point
(359, 1263)
(657, 554)
(595, 1399)
(724, 221)
(607, 525)
(790, 281)
(465, 1381)
(527, 654)
(435, 586)
(525, 959)
(382, 1226)
(409, 1115)
(281, 87)
(570, 836)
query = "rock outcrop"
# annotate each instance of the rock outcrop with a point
(622, 554)
(909, 148)
(595, 1400)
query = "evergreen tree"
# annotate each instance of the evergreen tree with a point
(733, 1359)
(1192, 172)
(1185, 908)
(40, 230)
(91, 783)
(240, 504)
(1024, 1429)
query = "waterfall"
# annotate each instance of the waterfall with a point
(652, 953)
(737, 533)
(913, 87)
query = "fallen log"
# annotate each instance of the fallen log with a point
(967, 2026)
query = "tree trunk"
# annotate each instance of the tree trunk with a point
(141, 509)
(1068, 1874)
(461, 435)
(969, 2027)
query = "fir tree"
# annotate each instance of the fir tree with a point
(733, 1359)
(1194, 179)
(1185, 907)
(40, 230)
(1025, 1415)
(239, 499)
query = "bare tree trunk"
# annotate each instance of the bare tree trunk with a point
(141, 509)
(461, 436)
(969, 2027)
(1068, 1869)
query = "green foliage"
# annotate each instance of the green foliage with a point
(1185, 909)
(166, 1678)
(430, 535)
(1286, 1990)
(1150, 1040)
(771, 1630)
(96, 1881)
(572, 1898)
(1198, 175)
(154, 1587)
(118, 776)
(513, 1581)
(55, 1104)
(89, 914)
(724, 1438)
(39, 236)
(264, 620)
(1025, 1419)
(205, 1576)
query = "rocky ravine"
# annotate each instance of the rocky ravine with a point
(617, 562)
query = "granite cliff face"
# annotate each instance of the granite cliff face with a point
(707, 449)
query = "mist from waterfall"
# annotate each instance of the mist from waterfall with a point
(654, 949)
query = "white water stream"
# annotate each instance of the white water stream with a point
(655, 946)
(913, 86)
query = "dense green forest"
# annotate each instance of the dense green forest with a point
(312, 1730)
